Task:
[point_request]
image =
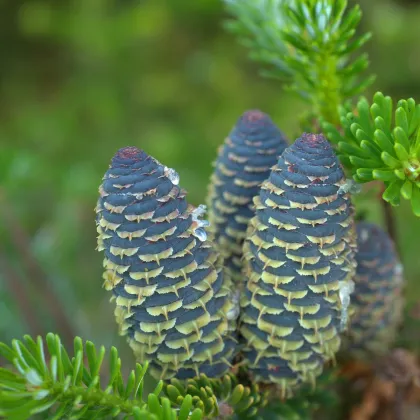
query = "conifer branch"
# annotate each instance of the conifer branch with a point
(310, 44)
(50, 381)
(376, 143)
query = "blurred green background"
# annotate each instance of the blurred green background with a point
(82, 78)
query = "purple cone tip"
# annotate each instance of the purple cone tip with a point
(313, 140)
(130, 152)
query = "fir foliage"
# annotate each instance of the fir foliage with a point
(43, 378)
(377, 143)
(311, 44)
(51, 382)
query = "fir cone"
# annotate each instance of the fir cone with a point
(244, 162)
(377, 300)
(299, 257)
(173, 301)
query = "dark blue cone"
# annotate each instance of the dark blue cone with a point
(244, 162)
(377, 300)
(172, 300)
(299, 257)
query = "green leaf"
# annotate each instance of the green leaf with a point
(236, 394)
(365, 174)
(384, 142)
(7, 352)
(371, 149)
(351, 20)
(364, 163)
(353, 89)
(382, 107)
(356, 44)
(400, 174)
(331, 132)
(349, 149)
(77, 368)
(357, 66)
(383, 175)
(185, 408)
(407, 189)
(154, 405)
(286, 412)
(37, 352)
(158, 388)
(354, 128)
(227, 385)
(358, 179)
(43, 407)
(401, 152)
(114, 366)
(177, 383)
(172, 392)
(296, 41)
(416, 148)
(25, 356)
(138, 386)
(401, 138)
(392, 193)
(414, 121)
(363, 111)
(166, 409)
(390, 161)
(131, 380)
(361, 135)
(401, 119)
(197, 414)
(339, 9)
(54, 347)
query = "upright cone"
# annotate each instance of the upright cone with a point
(377, 300)
(172, 298)
(299, 257)
(244, 162)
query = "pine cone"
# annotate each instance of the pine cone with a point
(244, 162)
(172, 298)
(377, 300)
(299, 257)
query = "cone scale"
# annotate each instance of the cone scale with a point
(244, 162)
(299, 261)
(172, 298)
(377, 299)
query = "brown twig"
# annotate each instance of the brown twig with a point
(14, 284)
(34, 271)
(390, 222)
(401, 393)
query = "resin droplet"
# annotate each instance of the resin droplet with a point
(172, 175)
(198, 212)
(233, 313)
(364, 235)
(200, 234)
(399, 270)
(351, 187)
(203, 223)
(346, 289)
